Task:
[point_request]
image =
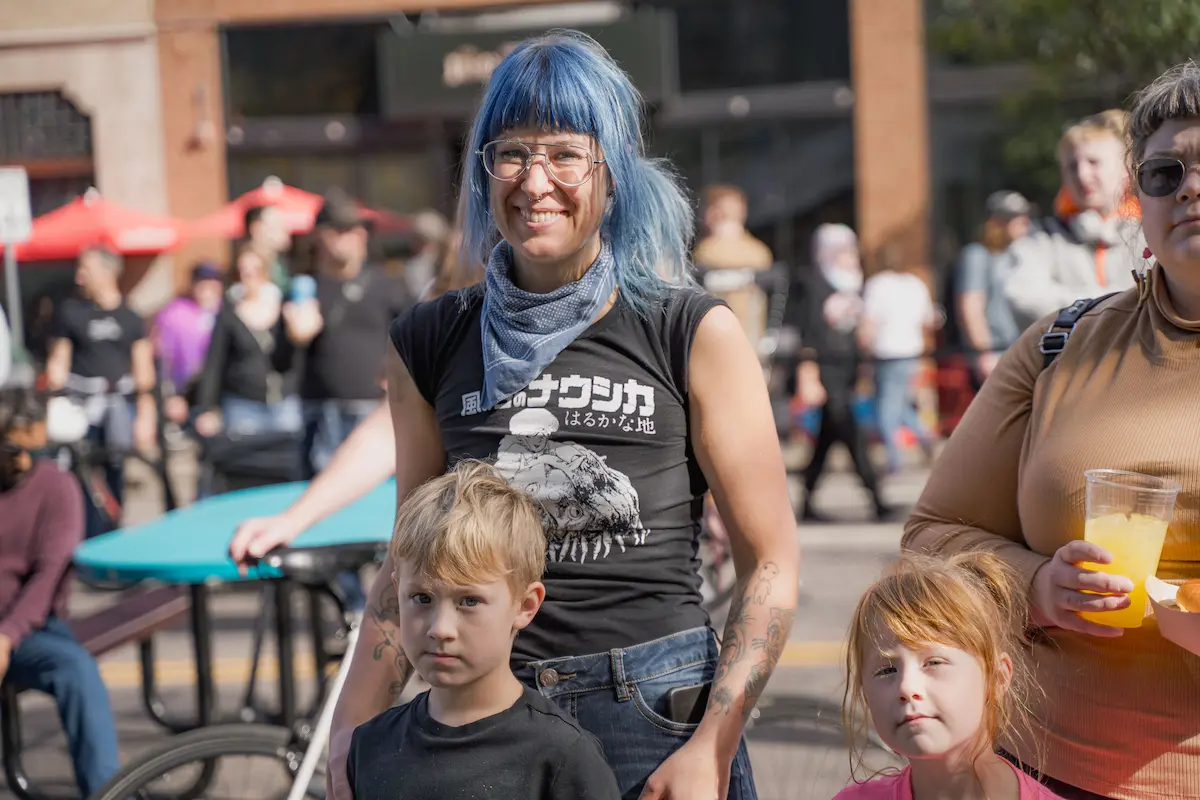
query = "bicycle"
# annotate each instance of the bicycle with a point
(292, 754)
(86, 459)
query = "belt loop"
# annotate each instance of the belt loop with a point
(618, 672)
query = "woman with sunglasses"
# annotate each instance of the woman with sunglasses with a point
(1091, 245)
(1120, 715)
(616, 397)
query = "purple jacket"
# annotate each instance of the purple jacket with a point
(182, 333)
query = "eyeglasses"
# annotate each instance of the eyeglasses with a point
(566, 164)
(1160, 177)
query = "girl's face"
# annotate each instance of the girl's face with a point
(928, 701)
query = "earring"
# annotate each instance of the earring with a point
(1146, 254)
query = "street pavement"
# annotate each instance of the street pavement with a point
(797, 745)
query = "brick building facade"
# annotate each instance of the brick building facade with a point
(152, 76)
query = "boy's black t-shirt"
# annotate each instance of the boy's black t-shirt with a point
(600, 440)
(101, 341)
(532, 751)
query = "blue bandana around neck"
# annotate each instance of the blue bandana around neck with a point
(523, 332)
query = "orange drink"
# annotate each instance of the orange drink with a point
(1128, 515)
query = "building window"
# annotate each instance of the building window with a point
(42, 125)
(48, 136)
(726, 44)
(301, 70)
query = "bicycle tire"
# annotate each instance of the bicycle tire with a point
(216, 741)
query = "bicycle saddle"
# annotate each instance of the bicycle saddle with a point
(318, 566)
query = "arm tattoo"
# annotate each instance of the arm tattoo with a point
(386, 614)
(738, 647)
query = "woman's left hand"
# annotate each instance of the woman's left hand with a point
(694, 772)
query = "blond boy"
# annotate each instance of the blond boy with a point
(469, 553)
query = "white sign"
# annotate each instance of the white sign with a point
(16, 214)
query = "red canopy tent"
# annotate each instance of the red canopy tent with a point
(90, 220)
(299, 210)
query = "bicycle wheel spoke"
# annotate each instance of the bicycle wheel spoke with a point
(230, 762)
(232, 777)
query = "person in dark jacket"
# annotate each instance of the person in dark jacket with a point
(830, 359)
(246, 371)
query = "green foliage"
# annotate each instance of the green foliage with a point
(1085, 55)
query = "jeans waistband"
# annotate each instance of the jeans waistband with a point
(620, 667)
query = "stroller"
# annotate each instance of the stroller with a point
(232, 461)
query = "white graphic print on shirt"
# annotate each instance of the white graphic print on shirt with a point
(585, 505)
(595, 402)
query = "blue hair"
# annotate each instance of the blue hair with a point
(564, 81)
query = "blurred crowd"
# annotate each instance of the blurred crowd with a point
(282, 351)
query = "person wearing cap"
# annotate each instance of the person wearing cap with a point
(985, 315)
(182, 331)
(1092, 245)
(342, 331)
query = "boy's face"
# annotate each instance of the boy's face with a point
(453, 635)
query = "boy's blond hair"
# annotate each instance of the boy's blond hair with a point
(470, 526)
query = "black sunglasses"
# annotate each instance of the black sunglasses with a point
(1160, 177)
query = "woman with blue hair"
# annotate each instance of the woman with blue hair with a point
(600, 381)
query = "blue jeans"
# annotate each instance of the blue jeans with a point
(250, 417)
(327, 423)
(895, 406)
(114, 432)
(50, 660)
(620, 697)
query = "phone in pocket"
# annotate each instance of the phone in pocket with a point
(686, 704)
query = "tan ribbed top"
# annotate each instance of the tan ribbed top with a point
(1121, 717)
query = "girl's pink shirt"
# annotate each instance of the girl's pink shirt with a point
(899, 787)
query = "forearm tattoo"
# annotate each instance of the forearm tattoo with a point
(386, 616)
(756, 633)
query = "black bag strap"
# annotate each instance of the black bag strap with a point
(1054, 340)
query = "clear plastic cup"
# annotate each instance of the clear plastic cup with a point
(1128, 514)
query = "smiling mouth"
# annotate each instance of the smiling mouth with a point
(541, 216)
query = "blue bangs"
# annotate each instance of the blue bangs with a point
(565, 82)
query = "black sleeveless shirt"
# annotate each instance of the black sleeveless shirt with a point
(600, 440)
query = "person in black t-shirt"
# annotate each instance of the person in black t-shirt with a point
(468, 550)
(101, 354)
(343, 330)
(341, 339)
(604, 384)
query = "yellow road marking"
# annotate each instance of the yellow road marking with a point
(236, 670)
